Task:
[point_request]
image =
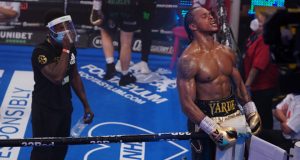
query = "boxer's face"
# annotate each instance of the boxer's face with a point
(204, 21)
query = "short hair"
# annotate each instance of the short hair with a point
(53, 14)
(189, 19)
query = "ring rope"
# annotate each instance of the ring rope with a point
(65, 6)
(53, 141)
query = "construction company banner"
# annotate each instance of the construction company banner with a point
(29, 28)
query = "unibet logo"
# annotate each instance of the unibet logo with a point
(16, 35)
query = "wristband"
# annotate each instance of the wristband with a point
(208, 125)
(249, 108)
(65, 51)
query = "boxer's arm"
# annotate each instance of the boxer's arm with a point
(241, 90)
(186, 72)
(249, 107)
(78, 88)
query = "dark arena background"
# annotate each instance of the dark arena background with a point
(30, 28)
(149, 106)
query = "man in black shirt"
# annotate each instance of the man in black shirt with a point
(55, 73)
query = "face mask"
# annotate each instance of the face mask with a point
(254, 25)
(60, 36)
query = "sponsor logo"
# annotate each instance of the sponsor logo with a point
(162, 31)
(73, 59)
(132, 150)
(137, 45)
(16, 35)
(15, 111)
(133, 92)
(166, 6)
(39, 144)
(28, 24)
(167, 49)
(65, 80)
(18, 41)
(157, 79)
(162, 49)
(97, 42)
(42, 59)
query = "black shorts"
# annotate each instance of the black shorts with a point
(125, 18)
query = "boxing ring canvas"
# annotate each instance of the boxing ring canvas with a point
(149, 106)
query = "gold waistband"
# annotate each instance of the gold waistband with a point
(224, 118)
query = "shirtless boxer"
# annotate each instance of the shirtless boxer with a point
(210, 88)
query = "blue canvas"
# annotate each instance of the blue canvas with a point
(147, 107)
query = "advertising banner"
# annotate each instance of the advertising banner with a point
(27, 28)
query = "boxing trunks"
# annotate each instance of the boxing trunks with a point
(226, 113)
(120, 14)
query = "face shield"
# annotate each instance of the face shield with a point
(61, 27)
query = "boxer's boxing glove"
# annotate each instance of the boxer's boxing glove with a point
(96, 16)
(224, 137)
(252, 117)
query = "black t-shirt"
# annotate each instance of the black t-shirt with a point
(46, 93)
